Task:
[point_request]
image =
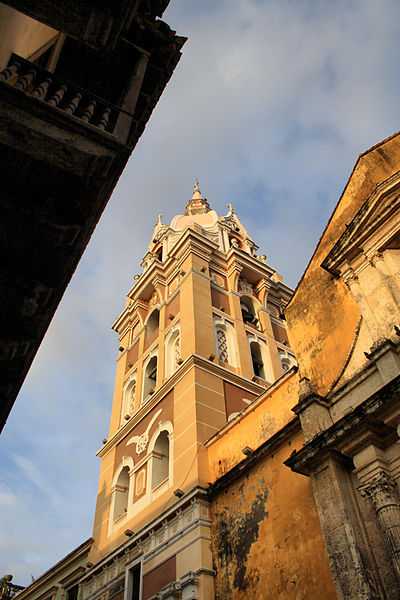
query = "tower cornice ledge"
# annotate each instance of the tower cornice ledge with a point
(252, 262)
(193, 361)
(198, 239)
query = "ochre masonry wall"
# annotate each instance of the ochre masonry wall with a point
(264, 418)
(322, 316)
(267, 539)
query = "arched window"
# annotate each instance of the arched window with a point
(158, 252)
(172, 351)
(248, 312)
(257, 360)
(153, 322)
(273, 310)
(150, 378)
(121, 494)
(160, 466)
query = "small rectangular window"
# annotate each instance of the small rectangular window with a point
(135, 574)
(72, 593)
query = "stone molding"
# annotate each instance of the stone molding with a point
(148, 543)
(305, 460)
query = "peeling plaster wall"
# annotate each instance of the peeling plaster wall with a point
(322, 316)
(264, 418)
(267, 539)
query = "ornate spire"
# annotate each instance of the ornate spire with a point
(197, 204)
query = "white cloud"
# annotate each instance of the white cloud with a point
(269, 108)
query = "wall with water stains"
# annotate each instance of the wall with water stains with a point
(267, 539)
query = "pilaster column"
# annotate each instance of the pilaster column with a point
(160, 286)
(383, 492)
(245, 365)
(353, 570)
(387, 290)
(392, 264)
(351, 280)
(378, 261)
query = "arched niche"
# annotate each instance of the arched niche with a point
(248, 308)
(161, 461)
(225, 342)
(149, 377)
(128, 400)
(160, 458)
(153, 322)
(121, 489)
(172, 351)
(260, 359)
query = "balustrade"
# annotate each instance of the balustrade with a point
(62, 95)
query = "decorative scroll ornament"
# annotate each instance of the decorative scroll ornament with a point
(245, 286)
(132, 398)
(177, 352)
(154, 299)
(142, 440)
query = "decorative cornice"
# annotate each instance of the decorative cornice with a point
(305, 460)
(198, 493)
(192, 361)
(353, 233)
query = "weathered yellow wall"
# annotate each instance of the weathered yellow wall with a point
(322, 316)
(260, 421)
(267, 539)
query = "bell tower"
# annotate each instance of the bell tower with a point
(200, 338)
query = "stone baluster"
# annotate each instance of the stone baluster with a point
(41, 90)
(58, 96)
(10, 71)
(24, 82)
(89, 110)
(73, 104)
(102, 124)
(383, 492)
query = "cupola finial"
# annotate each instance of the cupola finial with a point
(197, 204)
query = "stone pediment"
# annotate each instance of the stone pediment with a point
(376, 224)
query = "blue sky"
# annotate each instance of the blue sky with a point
(269, 108)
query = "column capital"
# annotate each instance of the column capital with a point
(349, 277)
(381, 490)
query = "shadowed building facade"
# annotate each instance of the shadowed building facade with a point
(78, 83)
(232, 469)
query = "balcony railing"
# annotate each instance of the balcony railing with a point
(64, 96)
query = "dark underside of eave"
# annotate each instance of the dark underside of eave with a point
(47, 217)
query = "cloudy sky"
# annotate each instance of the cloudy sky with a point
(269, 108)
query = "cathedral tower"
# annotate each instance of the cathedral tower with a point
(201, 336)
